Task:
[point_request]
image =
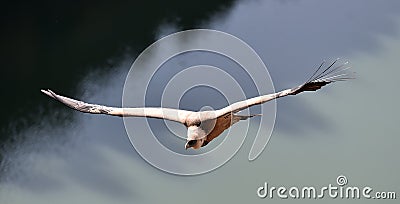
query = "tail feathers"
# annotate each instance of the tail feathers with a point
(245, 117)
(322, 77)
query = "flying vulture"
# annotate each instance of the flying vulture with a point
(204, 126)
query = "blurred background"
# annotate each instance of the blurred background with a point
(50, 154)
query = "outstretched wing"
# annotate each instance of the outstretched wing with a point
(320, 78)
(162, 113)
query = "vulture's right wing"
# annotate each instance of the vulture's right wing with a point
(162, 113)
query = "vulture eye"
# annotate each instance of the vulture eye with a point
(192, 142)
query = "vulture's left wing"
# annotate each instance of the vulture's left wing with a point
(320, 78)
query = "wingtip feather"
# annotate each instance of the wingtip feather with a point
(48, 92)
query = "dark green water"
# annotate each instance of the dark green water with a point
(56, 44)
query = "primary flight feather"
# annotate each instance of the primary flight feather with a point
(204, 126)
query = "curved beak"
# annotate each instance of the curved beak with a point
(187, 146)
